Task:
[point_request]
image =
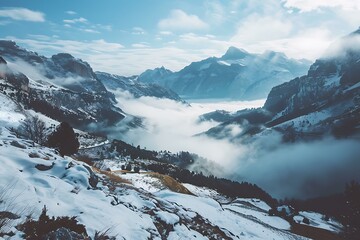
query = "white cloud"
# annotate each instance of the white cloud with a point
(71, 12)
(309, 44)
(257, 28)
(215, 12)
(138, 31)
(140, 45)
(89, 30)
(105, 27)
(166, 33)
(76, 20)
(180, 20)
(22, 14)
(311, 5)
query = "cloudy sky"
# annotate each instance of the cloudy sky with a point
(128, 37)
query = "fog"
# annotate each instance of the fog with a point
(301, 170)
(171, 125)
(38, 73)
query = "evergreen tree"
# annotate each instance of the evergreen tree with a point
(64, 139)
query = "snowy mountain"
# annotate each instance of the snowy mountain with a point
(325, 101)
(137, 89)
(237, 74)
(60, 87)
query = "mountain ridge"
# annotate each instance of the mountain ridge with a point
(237, 74)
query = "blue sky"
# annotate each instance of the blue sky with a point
(128, 37)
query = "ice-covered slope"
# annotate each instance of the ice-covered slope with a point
(237, 74)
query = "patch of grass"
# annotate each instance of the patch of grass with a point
(171, 183)
(113, 177)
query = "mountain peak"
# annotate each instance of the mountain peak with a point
(62, 56)
(234, 53)
(8, 44)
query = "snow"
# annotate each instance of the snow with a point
(255, 202)
(53, 188)
(241, 62)
(144, 181)
(264, 217)
(167, 217)
(182, 232)
(130, 212)
(332, 81)
(10, 115)
(318, 220)
(234, 222)
(356, 85)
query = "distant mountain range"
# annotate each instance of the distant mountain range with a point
(138, 89)
(326, 101)
(237, 75)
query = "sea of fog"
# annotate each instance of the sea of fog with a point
(300, 170)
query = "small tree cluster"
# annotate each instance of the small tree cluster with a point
(136, 169)
(64, 139)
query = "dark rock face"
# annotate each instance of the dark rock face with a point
(63, 233)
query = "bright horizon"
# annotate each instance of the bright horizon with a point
(127, 37)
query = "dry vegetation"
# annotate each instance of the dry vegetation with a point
(171, 183)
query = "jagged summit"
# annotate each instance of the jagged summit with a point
(234, 53)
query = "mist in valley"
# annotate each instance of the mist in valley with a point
(293, 170)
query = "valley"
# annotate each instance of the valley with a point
(126, 125)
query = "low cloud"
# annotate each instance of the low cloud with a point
(341, 47)
(22, 14)
(301, 170)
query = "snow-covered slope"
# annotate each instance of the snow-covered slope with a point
(33, 177)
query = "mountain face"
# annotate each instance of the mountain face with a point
(137, 89)
(60, 87)
(325, 101)
(237, 74)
